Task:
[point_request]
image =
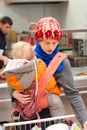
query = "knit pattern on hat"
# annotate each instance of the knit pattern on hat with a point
(48, 28)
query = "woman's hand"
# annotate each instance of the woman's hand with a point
(85, 125)
(4, 59)
(24, 99)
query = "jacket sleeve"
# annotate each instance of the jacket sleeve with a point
(11, 90)
(65, 79)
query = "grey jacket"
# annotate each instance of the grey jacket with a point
(24, 74)
(66, 80)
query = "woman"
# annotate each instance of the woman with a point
(48, 35)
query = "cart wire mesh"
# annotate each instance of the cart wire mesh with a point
(39, 124)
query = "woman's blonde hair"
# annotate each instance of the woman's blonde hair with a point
(22, 50)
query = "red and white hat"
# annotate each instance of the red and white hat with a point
(48, 28)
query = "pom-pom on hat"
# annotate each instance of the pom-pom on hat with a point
(48, 28)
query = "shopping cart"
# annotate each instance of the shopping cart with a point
(40, 124)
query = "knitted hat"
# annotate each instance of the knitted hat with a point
(48, 28)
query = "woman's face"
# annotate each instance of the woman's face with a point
(48, 46)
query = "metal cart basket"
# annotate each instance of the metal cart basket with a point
(35, 124)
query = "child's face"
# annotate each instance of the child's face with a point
(48, 46)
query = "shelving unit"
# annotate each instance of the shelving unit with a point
(34, 1)
(5, 103)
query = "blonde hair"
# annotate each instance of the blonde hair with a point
(22, 50)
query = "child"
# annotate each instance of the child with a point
(48, 34)
(20, 74)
